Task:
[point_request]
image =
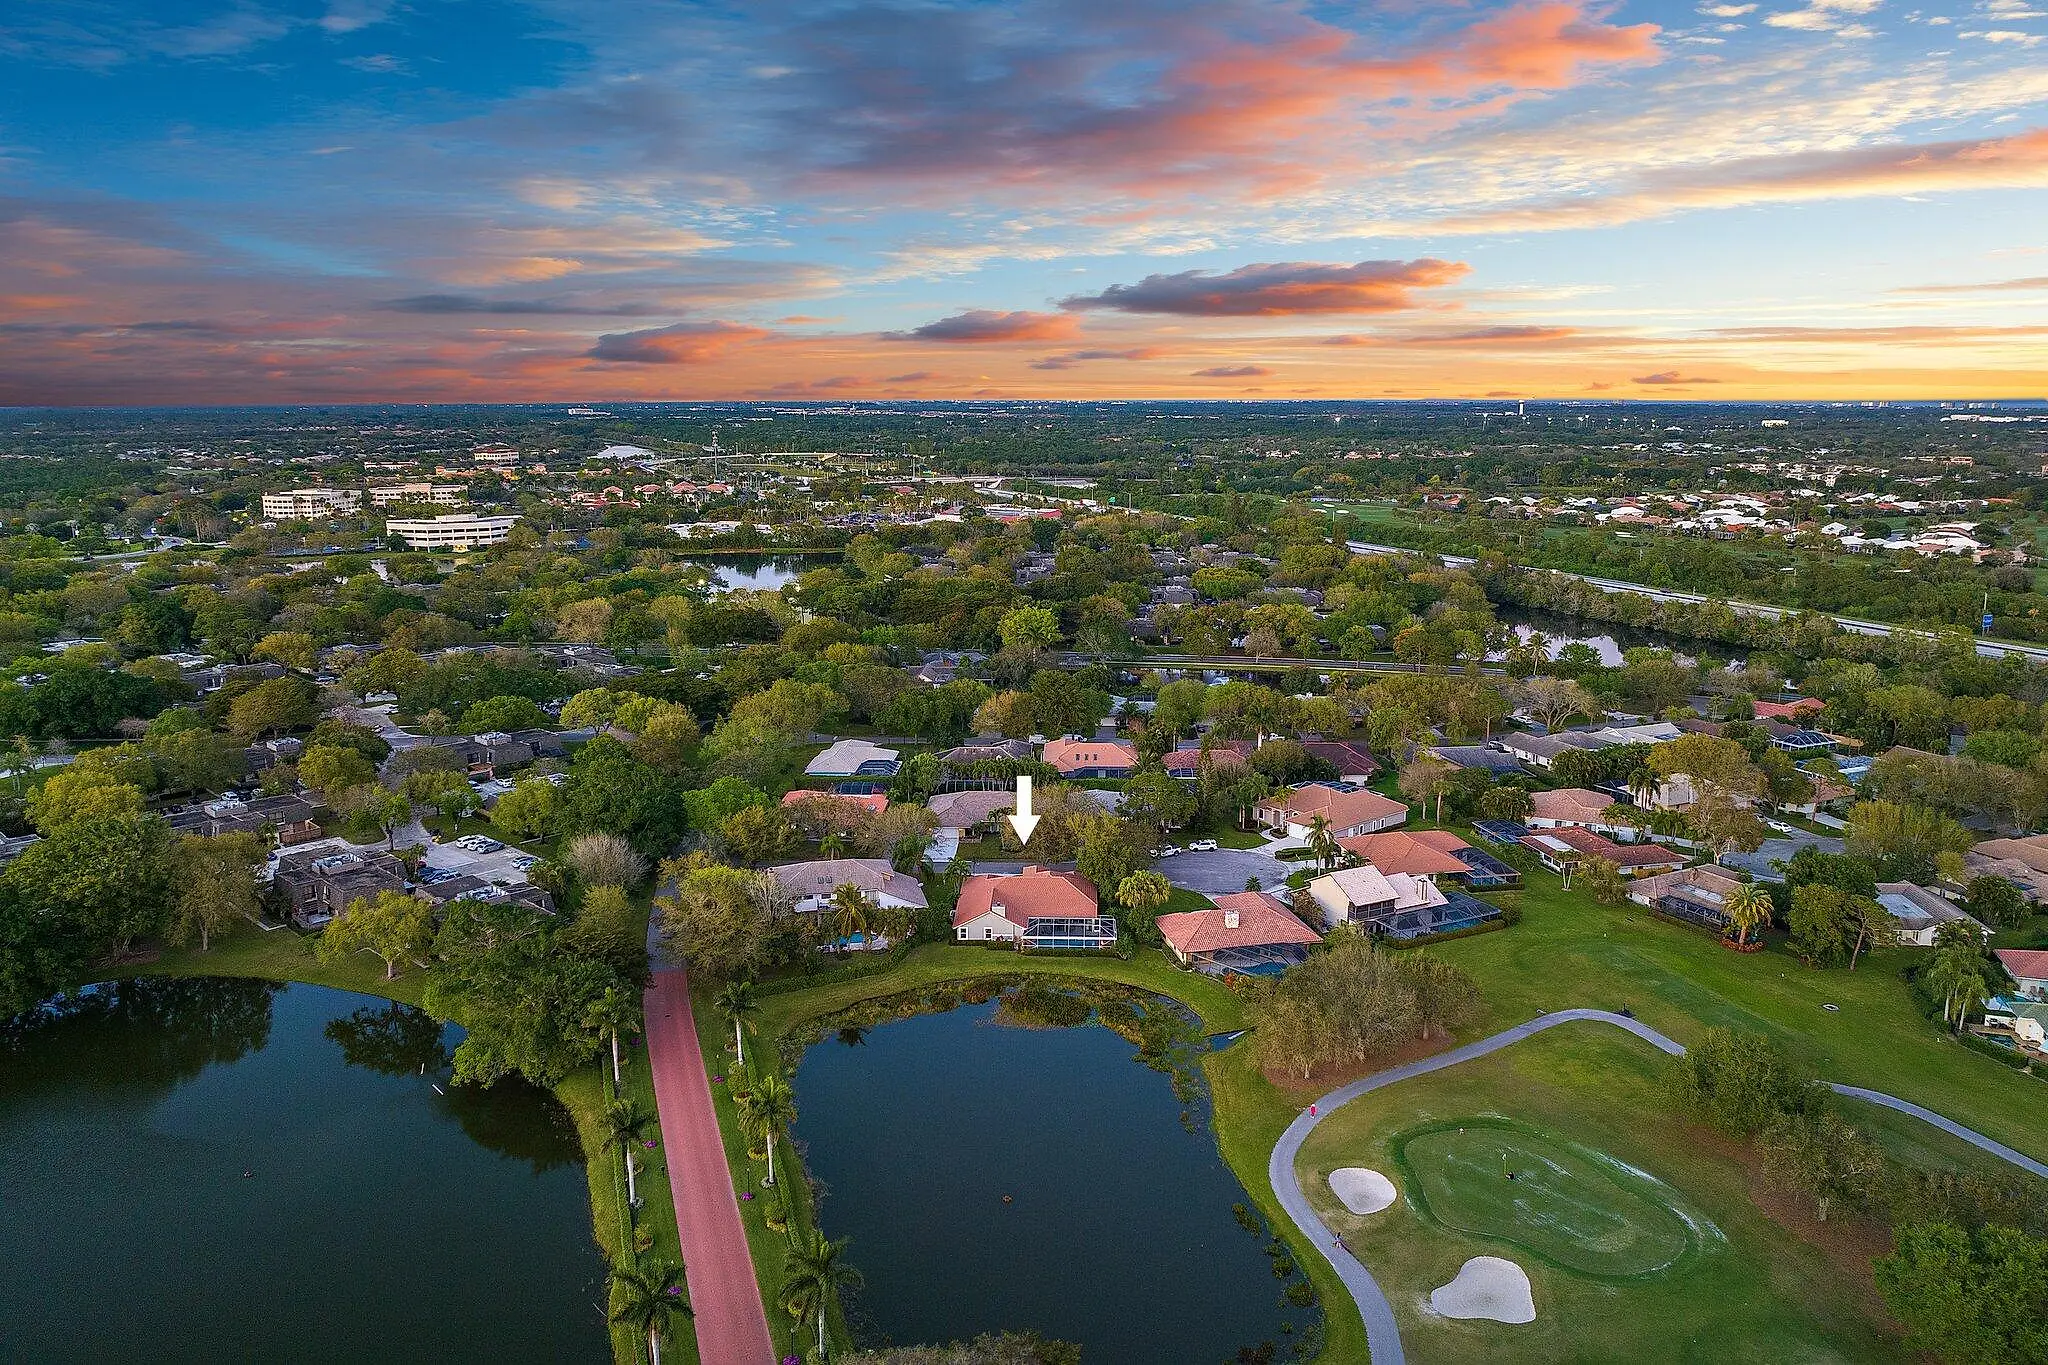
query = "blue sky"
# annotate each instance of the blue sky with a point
(370, 199)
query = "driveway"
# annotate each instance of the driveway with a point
(1760, 863)
(1227, 869)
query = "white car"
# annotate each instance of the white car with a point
(1203, 846)
(1169, 851)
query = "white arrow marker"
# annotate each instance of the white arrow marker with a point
(1023, 821)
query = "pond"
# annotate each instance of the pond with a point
(226, 1169)
(1608, 639)
(995, 1178)
(754, 573)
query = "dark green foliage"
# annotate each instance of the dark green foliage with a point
(1741, 1083)
(523, 993)
(1969, 1298)
(611, 792)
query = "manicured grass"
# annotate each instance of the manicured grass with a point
(1750, 1290)
(1249, 1112)
(1570, 952)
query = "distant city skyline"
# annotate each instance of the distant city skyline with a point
(258, 201)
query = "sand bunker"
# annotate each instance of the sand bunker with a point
(1488, 1287)
(1361, 1190)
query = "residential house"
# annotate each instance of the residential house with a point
(839, 809)
(2023, 862)
(1576, 807)
(1541, 751)
(1084, 758)
(2026, 1021)
(320, 883)
(1185, 762)
(987, 749)
(1796, 712)
(1477, 757)
(1563, 847)
(1345, 807)
(1697, 895)
(962, 812)
(853, 758)
(290, 818)
(1249, 932)
(1399, 906)
(1034, 908)
(811, 884)
(1921, 912)
(2028, 967)
(1352, 762)
(1432, 853)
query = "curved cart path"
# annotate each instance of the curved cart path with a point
(731, 1328)
(1382, 1333)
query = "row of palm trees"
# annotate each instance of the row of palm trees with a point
(814, 1267)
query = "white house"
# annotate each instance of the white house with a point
(1921, 913)
(811, 884)
(1365, 895)
(853, 758)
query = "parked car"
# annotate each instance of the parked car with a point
(1203, 846)
(1169, 851)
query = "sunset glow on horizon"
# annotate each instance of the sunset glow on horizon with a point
(254, 201)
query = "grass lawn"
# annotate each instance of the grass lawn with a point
(282, 955)
(1742, 1287)
(1569, 951)
(1249, 1111)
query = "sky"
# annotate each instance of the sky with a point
(254, 201)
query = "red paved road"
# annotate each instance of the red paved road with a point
(731, 1328)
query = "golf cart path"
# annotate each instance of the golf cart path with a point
(731, 1327)
(1382, 1333)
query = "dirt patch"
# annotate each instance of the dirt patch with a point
(1849, 1240)
(1322, 1081)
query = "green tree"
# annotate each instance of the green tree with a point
(1819, 1153)
(615, 1011)
(623, 1124)
(757, 834)
(1902, 842)
(329, 770)
(1959, 977)
(272, 708)
(737, 1003)
(1603, 881)
(1321, 843)
(717, 918)
(1161, 802)
(769, 1110)
(1029, 628)
(529, 810)
(503, 714)
(103, 878)
(216, 885)
(1427, 779)
(1993, 901)
(1506, 803)
(1969, 1298)
(1741, 1083)
(650, 1297)
(850, 909)
(80, 792)
(394, 927)
(1749, 908)
(294, 649)
(814, 1271)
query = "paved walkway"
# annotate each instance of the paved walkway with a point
(1382, 1333)
(731, 1328)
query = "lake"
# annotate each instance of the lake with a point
(1119, 1234)
(755, 573)
(215, 1169)
(1607, 639)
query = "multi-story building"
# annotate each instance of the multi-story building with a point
(307, 504)
(462, 531)
(439, 494)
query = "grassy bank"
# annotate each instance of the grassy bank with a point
(282, 955)
(1249, 1112)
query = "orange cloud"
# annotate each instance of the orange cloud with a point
(1232, 372)
(1668, 377)
(1278, 289)
(986, 324)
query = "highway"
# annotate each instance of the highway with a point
(1993, 649)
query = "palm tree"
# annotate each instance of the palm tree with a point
(623, 1124)
(813, 1272)
(1321, 842)
(850, 907)
(611, 1014)
(737, 1003)
(769, 1110)
(1643, 784)
(832, 845)
(1958, 973)
(650, 1296)
(1749, 907)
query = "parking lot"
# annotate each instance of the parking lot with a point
(1213, 874)
(504, 865)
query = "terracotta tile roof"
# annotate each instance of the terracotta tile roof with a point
(1789, 710)
(1420, 853)
(1071, 755)
(1342, 809)
(871, 801)
(1593, 845)
(2028, 962)
(1261, 922)
(1019, 896)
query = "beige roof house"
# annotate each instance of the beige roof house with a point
(1348, 809)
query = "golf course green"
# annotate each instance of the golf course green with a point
(1576, 1208)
